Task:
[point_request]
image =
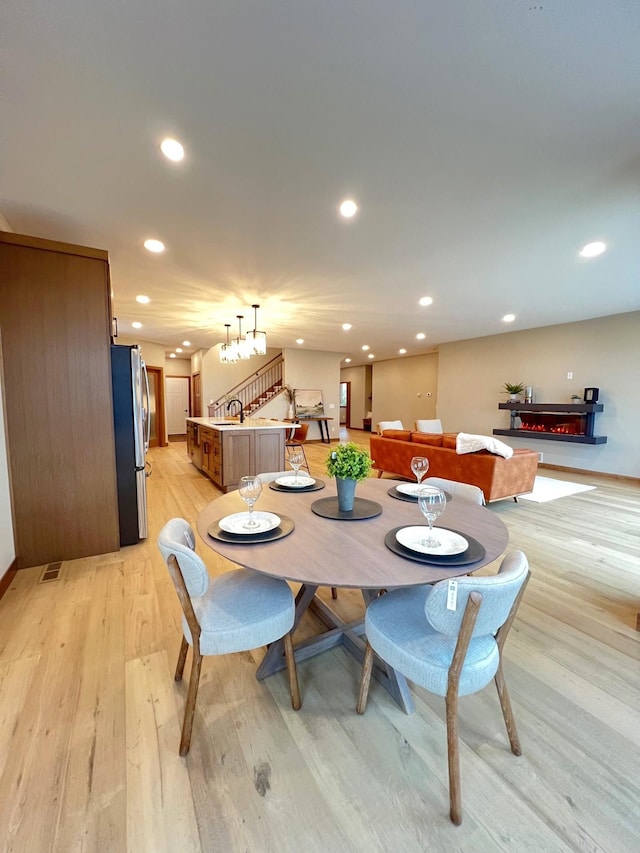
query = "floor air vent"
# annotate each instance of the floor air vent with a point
(51, 573)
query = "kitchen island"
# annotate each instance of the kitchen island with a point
(225, 449)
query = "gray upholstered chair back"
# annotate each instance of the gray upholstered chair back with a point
(270, 476)
(177, 537)
(458, 490)
(498, 594)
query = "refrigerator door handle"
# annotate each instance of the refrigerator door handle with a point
(146, 409)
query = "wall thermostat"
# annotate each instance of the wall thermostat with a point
(591, 395)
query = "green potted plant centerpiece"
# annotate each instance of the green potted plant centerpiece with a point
(513, 389)
(348, 463)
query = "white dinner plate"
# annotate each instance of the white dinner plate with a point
(236, 523)
(450, 542)
(289, 482)
(410, 488)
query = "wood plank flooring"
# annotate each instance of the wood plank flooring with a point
(90, 715)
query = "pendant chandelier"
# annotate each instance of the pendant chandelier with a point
(255, 342)
(228, 354)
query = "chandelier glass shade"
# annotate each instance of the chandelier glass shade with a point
(243, 347)
(228, 352)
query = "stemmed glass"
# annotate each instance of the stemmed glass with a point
(250, 489)
(419, 466)
(432, 503)
(296, 458)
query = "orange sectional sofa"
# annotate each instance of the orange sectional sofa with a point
(497, 477)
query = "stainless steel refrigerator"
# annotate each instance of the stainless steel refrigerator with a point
(130, 386)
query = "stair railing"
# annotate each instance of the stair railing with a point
(254, 391)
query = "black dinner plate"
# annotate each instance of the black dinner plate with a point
(283, 529)
(475, 551)
(413, 499)
(314, 487)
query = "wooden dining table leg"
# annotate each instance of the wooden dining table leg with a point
(274, 660)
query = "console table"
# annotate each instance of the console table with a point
(571, 422)
(322, 424)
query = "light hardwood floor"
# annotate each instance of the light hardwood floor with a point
(90, 715)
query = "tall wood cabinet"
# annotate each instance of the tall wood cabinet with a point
(55, 332)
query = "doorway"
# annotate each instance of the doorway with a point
(345, 404)
(178, 397)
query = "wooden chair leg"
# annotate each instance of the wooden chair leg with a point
(455, 792)
(292, 672)
(334, 593)
(507, 712)
(365, 680)
(190, 707)
(182, 656)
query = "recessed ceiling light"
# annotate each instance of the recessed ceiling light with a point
(143, 300)
(172, 355)
(346, 326)
(365, 347)
(136, 325)
(371, 355)
(348, 208)
(592, 250)
(299, 340)
(186, 343)
(402, 351)
(172, 149)
(154, 246)
(347, 360)
(421, 336)
(426, 300)
(178, 349)
(508, 318)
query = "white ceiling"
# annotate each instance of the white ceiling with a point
(485, 141)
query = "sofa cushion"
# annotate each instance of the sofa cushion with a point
(402, 434)
(432, 439)
(449, 440)
(433, 425)
(468, 443)
(384, 425)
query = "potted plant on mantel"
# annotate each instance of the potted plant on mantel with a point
(348, 463)
(513, 390)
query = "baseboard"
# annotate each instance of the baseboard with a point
(588, 473)
(8, 576)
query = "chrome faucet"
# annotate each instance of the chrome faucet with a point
(235, 400)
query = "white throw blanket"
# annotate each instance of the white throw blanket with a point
(467, 443)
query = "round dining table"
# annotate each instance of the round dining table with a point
(338, 552)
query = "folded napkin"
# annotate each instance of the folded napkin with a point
(467, 443)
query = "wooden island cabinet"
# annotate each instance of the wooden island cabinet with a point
(227, 451)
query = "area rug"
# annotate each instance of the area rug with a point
(545, 489)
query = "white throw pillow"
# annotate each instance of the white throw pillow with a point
(388, 425)
(467, 443)
(433, 426)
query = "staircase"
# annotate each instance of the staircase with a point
(254, 391)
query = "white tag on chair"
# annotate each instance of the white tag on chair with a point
(452, 595)
(188, 538)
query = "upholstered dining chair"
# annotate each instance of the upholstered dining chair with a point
(234, 612)
(460, 490)
(296, 439)
(449, 652)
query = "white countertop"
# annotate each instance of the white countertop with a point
(228, 424)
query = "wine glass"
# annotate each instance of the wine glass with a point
(419, 466)
(250, 489)
(432, 503)
(296, 458)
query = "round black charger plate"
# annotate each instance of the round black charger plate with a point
(474, 552)
(412, 499)
(315, 487)
(362, 508)
(283, 529)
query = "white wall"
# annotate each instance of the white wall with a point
(7, 544)
(314, 369)
(401, 387)
(177, 367)
(604, 352)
